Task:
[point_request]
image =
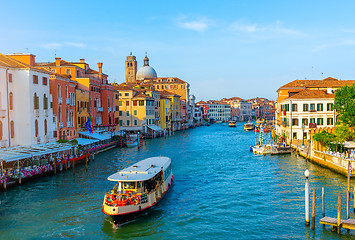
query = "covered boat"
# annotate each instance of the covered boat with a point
(138, 188)
(232, 123)
(248, 126)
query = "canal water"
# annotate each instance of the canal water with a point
(221, 190)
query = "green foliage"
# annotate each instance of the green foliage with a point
(324, 138)
(74, 142)
(62, 141)
(344, 104)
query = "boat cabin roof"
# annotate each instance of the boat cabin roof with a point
(141, 171)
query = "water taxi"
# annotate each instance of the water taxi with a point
(131, 143)
(137, 188)
(232, 123)
(248, 126)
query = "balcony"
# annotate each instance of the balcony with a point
(60, 100)
(99, 109)
(36, 112)
(3, 143)
(3, 113)
(60, 125)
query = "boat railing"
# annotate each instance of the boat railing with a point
(125, 199)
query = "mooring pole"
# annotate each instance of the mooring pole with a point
(306, 197)
(323, 203)
(348, 192)
(339, 214)
(314, 209)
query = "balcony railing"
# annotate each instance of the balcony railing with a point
(100, 109)
(2, 113)
(60, 100)
(36, 112)
(3, 143)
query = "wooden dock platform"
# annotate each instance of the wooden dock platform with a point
(330, 221)
(348, 224)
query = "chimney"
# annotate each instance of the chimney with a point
(57, 61)
(100, 67)
(82, 60)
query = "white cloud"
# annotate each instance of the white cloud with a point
(200, 25)
(55, 45)
(337, 44)
(276, 29)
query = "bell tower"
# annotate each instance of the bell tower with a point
(131, 68)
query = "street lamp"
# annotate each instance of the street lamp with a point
(306, 196)
(302, 135)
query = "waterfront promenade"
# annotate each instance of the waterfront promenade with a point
(220, 190)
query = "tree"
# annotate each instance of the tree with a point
(324, 138)
(344, 104)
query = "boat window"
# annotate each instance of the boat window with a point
(138, 185)
(128, 185)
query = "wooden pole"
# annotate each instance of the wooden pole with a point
(354, 198)
(348, 192)
(86, 162)
(55, 165)
(73, 166)
(323, 203)
(314, 209)
(339, 214)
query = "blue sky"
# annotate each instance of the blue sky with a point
(222, 48)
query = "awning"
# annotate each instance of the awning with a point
(349, 144)
(155, 128)
(85, 141)
(131, 128)
(22, 152)
(94, 135)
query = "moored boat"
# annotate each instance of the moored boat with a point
(232, 123)
(138, 188)
(132, 143)
(248, 126)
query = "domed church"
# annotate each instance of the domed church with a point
(145, 72)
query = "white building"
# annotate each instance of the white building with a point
(25, 102)
(219, 111)
(308, 108)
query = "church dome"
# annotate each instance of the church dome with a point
(146, 71)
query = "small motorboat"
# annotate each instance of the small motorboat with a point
(232, 123)
(249, 126)
(132, 143)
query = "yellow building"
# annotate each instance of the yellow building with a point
(165, 112)
(82, 106)
(136, 109)
(175, 116)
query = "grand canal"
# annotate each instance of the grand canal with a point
(220, 190)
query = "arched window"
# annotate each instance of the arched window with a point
(66, 92)
(59, 95)
(11, 96)
(45, 102)
(45, 127)
(0, 130)
(12, 128)
(36, 128)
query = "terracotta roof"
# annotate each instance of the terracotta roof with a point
(309, 94)
(91, 71)
(7, 61)
(167, 93)
(122, 86)
(201, 102)
(142, 95)
(325, 83)
(53, 64)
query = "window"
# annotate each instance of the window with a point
(35, 102)
(120, 94)
(126, 94)
(12, 128)
(319, 121)
(127, 103)
(295, 122)
(312, 107)
(127, 123)
(329, 121)
(45, 102)
(11, 96)
(120, 113)
(294, 107)
(59, 94)
(312, 120)
(135, 103)
(36, 128)
(10, 77)
(66, 92)
(127, 113)
(329, 106)
(121, 123)
(141, 102)
(320, 107)
(35, 79)
(45, 81)
(294, 135)
(305, 121)
(67, 71)
(305, 107)
(135, 112)
(120, 103)
(135, 122)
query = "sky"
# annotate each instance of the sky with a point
(225, 48)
